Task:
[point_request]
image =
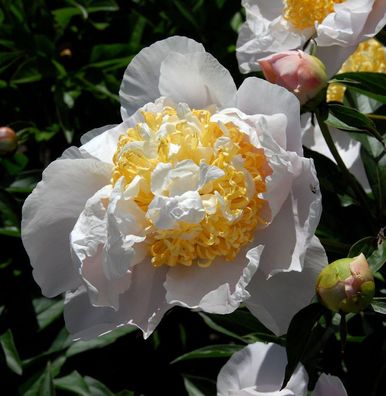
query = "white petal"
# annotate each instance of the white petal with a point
(293, 226)
(165, 212)
(197, 79)
(329, 385)
(104, 145)
(142, 305)
(106, 243)
(375, 21)
(49, 214)
(256, 96)
(265, 32)
(140, 80)
(344, 26)
(86, 137)
(258, 369)
(274, 301)
(219, 288)
(334, 56)
(348, 148)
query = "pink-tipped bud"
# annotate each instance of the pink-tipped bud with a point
(304, 75)
(8, 140)
(346, 285)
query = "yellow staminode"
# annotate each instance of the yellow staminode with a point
(368, 57)
(217, 235)
(303, 14)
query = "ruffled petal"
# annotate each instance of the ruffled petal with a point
(258, 369)
(329, 385)
(49, 214)
(140, 80)
(376, 20)
(142, 305)
(274, 301)
(256, 96)
(294, 225)
(106, 244)
(344, 26)
(197, 79)
(219, 288)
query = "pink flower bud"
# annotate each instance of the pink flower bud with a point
(346, 285)
(304, 75)
(8, 140)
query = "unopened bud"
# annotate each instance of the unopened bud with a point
(346, 285)
(303, 74)
(8, 140)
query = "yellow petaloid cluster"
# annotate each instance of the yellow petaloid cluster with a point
(303, 14)
(195, 139)
(368, 57)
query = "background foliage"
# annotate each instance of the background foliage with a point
(61, 63)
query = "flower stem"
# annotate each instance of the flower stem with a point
(350, 179)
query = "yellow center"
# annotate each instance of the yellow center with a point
(368, 57)
(303, 14)
(217, 235)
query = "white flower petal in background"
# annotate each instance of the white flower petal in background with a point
(348, 148)
(329, 385)
(277, 26)
(193, 200)
(258, 370)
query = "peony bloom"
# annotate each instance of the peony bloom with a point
(346, 285)
(337, 26)
(302, 74)
(258, 370)
(200, 198)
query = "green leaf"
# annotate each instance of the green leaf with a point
(46, 386)
(99, 342)
(98, 389)
(191, 388)
(379, 305)
(370, 84)
(298, 336)
(210, 351)
(74, 383)
(47, 311)
(376, 173)
(186, 13)
(209, 322)
(365, 245)
(27, 72)
(351, 120)
(11, 355)
(378, 258)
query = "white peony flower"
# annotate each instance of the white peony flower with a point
(337, 26)
(258, 370)
(200, 198)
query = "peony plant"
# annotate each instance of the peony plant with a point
(199, 198)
